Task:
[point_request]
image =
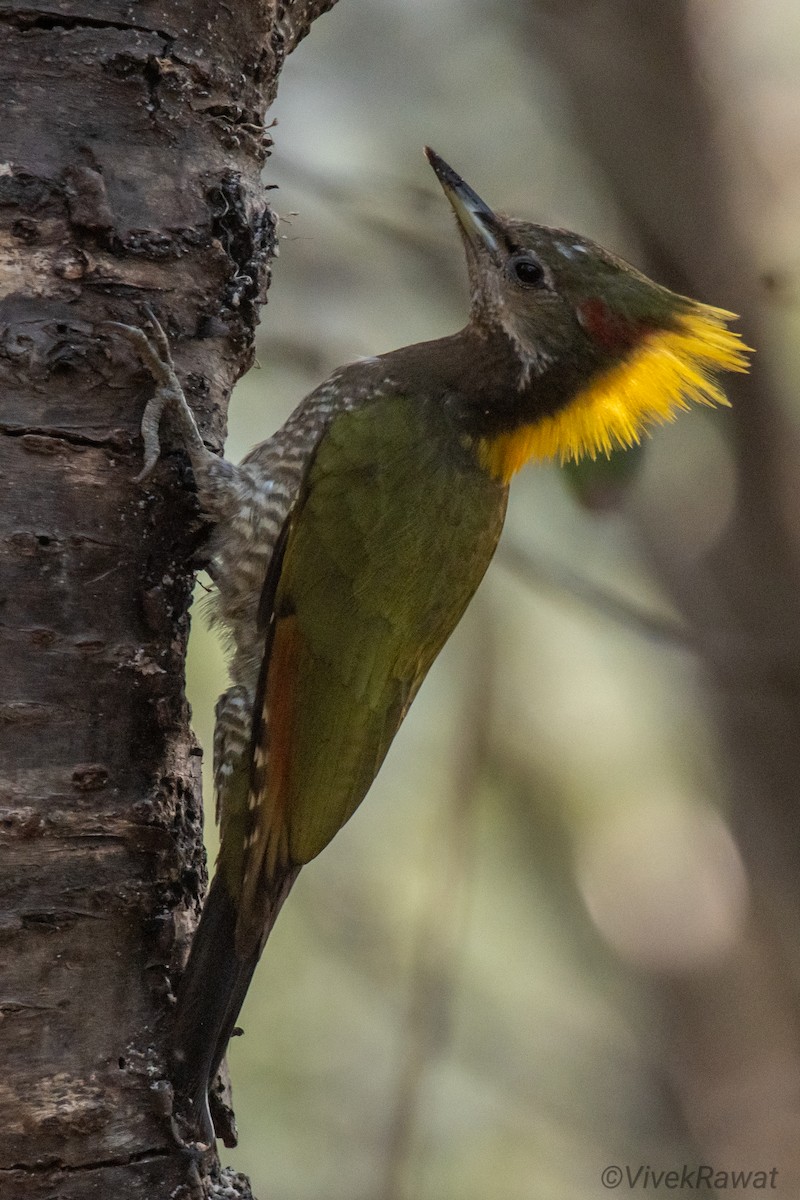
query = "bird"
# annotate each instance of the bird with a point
(346, 547)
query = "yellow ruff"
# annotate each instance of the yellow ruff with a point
(664, 374)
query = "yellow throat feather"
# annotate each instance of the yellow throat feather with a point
(662, 376)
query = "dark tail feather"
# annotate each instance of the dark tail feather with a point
(210, 997)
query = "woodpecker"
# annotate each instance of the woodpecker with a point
(346, 547)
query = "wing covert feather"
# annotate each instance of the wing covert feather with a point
(392, 534)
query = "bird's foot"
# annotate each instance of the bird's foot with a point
(152, 347)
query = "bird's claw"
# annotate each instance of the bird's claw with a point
(152, 348)
(151, 421)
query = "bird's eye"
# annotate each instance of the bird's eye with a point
(526, 271)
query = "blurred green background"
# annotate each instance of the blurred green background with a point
(560, 933)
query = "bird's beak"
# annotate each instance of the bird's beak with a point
(476, 219)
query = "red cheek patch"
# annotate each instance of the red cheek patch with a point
(608, 329)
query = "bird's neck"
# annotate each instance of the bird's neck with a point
(486, 386)
(481, 371)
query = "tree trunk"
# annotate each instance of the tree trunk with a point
(132, 143)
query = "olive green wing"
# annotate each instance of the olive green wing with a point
(393, 533)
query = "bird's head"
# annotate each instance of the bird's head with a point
(603, 352)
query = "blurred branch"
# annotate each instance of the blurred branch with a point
(537, 569)
(441, 925)
(399, 218)
(629, 69)
(758, 657)
(630, 74)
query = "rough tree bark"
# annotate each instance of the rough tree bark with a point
(130, 150)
